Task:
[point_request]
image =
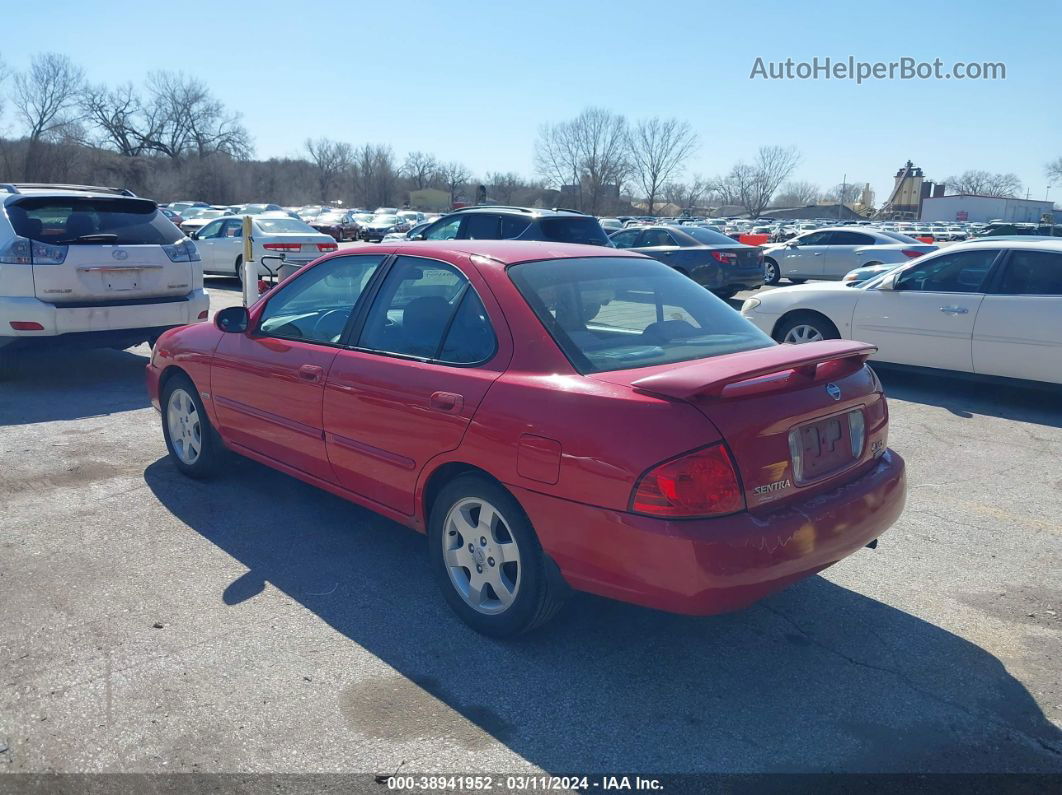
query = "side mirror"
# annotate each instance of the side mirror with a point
(194, 235)
(232, 319)
(889, 282)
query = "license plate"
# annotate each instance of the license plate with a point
(819, 448)
(120, 280)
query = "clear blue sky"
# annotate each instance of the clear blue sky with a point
(472, 81)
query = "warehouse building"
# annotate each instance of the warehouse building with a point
(968, 207)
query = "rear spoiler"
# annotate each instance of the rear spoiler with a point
(709, 377)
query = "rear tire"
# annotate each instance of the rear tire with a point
(801, 327)
(726, 295)
(797, 281)
(193, 444)
(487, 560)
(239, 270)
(771, 274)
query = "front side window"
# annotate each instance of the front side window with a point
(813, 239)
(316, 304)
(213, 229)
(1032, 273)
(446, 229)
(625, 239)
(962, 272)
(413, 309)
(610, 313)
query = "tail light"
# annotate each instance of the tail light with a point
(726, 257)
(327, 247)
(23, 251)
(183, 251)
(264, 287)
(910, 252)
(282, 246)
(703, 483)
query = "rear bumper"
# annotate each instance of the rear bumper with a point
(715, 278)
(702, 567)
(96, 326)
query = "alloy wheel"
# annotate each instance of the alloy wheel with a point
(803, 333)
(481, 556)
(186, 430)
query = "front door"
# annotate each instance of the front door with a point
(927, 319)
(406, 392)
(804, 257)
(267, 384)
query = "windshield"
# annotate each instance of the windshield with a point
(616, 313)
(708, 237)
(574, 230)
(75, 220)
(385, 219)
(284, 225)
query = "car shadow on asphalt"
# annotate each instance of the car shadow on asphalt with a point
(967, 397)
(815, 678)
(74, 384)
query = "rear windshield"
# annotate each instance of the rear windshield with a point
(284, 225)
(613, 313)
(707, 236)
(85, 221)
(574, 230)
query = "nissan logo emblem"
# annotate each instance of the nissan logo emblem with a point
(833, 391)
(120, 253)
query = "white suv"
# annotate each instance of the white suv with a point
(91, 267)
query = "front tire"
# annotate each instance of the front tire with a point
(805, 327)
(191, 440)
(487, 560)
(771, 274)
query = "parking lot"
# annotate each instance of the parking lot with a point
(254, 623)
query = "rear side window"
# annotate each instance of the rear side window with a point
(851, 239)
(411, 313)
(1032, 273)
(481, 226)
(574, 230)
(708, 237)
(86, 221)
(611, 313)
(513, 226)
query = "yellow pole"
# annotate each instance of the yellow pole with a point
(250, 270)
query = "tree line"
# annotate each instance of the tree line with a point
(169, 137)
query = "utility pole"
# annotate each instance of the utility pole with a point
(844, 188)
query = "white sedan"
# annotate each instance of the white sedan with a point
(987, 307)
(832, 252)
(220, 243)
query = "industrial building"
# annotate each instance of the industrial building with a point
(968, 207)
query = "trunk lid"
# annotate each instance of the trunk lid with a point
(93, 272)
(797, 419)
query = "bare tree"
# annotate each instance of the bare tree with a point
(375, 176)
(587, 155)
(1054, 170)
(845, 192)
(985, 183)
(659, 148)
(117, 115)
(330, 159)
(45, 97)
(685, 195)
(420, 168)
(181, 117)
(3, 77)
(454, 176)
(796, 194)
(755, 184)
(502, 187)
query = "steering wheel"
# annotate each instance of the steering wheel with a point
(330, 325)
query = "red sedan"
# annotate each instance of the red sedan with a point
(552, 416)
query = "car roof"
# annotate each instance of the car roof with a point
(501, 252)
(1012, 241)
(537, 212)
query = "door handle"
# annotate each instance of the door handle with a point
(310, 372)
(449, 402)
(955, 310)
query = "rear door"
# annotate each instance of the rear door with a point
(927, 319)
(406, 392)
(101, 249)
(841, 252)
(1018, 332)
(658, 244)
